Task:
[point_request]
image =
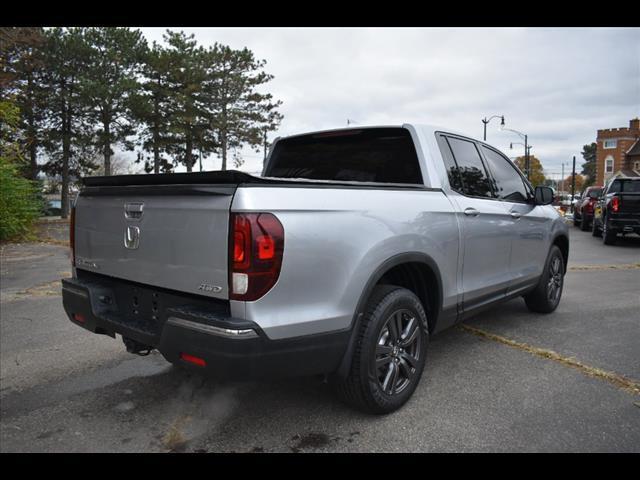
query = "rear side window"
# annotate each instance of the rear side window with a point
(629, 186)
(508, 183)
(474, 177)
(385, 155)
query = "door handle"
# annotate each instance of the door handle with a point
(472, 212)
(515, 215)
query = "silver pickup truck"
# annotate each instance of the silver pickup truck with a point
(352, 248)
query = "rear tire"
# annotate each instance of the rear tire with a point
(595, 231)
(546, 297)
(390, 352)
(609, 235)
(584, 223)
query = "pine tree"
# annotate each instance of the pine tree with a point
(187, 121)
(237, 112)
(108, 83)
(67, 136)
(151, 106)
(589, 167)
(22, 72)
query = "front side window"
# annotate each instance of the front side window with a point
(508, 183)
(475, 180)
(610, 143)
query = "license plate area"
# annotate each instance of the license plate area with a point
(140, 308)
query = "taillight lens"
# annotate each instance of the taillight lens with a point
(615, 204)
(255, 254)
(72, 235)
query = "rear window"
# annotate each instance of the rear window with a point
(385, 155)
(629, 186)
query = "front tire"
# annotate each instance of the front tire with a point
(546, 297)
(390, 352)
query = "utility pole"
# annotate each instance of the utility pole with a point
(562, 179)
(264, 139)
(526, 159)
(573, 181)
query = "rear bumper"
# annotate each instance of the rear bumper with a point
(231, 347)
(624, 224)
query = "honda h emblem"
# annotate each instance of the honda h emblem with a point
(131, 237)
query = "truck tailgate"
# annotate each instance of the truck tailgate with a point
(173, 237)
(629, 203)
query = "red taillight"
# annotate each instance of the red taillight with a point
(193, 359)
(72, 236)
(615, 204)
(256, 255)
(78, 317)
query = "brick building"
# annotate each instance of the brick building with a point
(618, 152)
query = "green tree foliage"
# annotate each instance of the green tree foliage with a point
(589, 167)
(22, 76)
(108, 83)
(19, 204)
(536, 176)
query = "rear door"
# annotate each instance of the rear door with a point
(529, 222)
(174, 237)
(486, 223)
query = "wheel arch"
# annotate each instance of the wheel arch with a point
(562, 242)
(415, 271)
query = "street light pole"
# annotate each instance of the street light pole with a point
(526, 150)
(486, 120)
(526, 159)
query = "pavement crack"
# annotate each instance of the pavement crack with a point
(620, 381)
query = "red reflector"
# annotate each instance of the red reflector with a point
(191, 359)
(615, 204)
(266, 247)
(79, 318)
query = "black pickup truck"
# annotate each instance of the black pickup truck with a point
(617, 210)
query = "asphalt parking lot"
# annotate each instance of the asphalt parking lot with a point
(489, 385)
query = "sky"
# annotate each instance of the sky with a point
(557, 85)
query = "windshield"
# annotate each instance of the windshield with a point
(384, 155)
(595, 193)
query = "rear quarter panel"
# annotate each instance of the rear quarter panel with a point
(335, 239)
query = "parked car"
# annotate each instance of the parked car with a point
(352, 249)
(53, 208)
(617, 210)
(583, 212)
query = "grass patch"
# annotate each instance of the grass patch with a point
(619, 381)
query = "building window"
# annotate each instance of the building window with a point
(608, 165)
(636, 166)
(610, 144)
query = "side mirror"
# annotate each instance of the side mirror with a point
(543, 195)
